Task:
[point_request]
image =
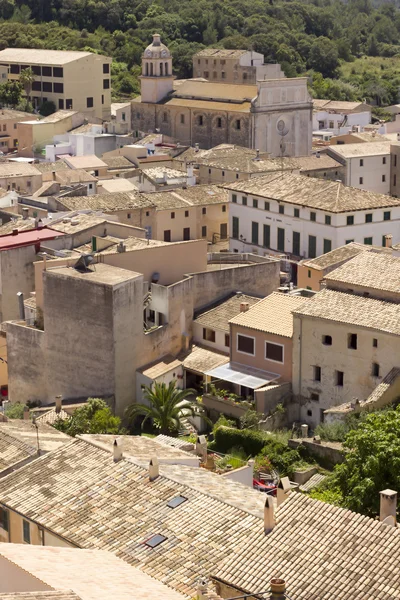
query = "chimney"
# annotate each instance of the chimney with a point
(278, 589)
(25, 212)
(387, 513)
(15, 232)
(196, 147)
(121, 247)
(53, 173)
(58, 404)
(257, 154)
(318, 155)
(189, 170)
(154, 469)
(26, 413)
(201, 447)
(244, 306)
(117, 450)
(20, 297)
(304, 431)
(44, 260)
(388, 240)
(269, 514)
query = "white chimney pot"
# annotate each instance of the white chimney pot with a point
(117, 450)
(154, 469)
(388, 507)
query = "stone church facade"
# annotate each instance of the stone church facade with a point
(272, 115)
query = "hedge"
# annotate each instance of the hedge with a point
(226, 438)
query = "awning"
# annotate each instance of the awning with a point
(241, 375)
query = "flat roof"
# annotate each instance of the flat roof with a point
(89, 161)
(99, 273)
(26, 238)
(35, 56)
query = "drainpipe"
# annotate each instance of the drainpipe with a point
(300, 353)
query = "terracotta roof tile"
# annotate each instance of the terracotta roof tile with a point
(370, 269)
(219, 317)
(335, 257)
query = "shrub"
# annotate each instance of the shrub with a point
(15, 411)
(226, 438)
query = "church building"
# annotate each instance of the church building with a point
(236, 99)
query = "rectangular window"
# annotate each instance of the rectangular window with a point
(386, 215)
(167, 235)
(234, 198)
(361, 162)
(314, 397)
(172, 215)
(327, 246)
(327, 340)
(106, 84)
(384, 160)
(38, 71)
(309, 274)
(374, 343)
(266, 205)
(223, 76)
(244, 200)
(106, 68)
(26, 531)
(245, 344)
(368, 218)
(224, 208)
(102, 98)
(266, 236)
(204, 231)
(4, 520)
(375, 370)
(68, 104)
(312, 246)
(235, 228)
(394, 180)
(206, 74)
(58, 88)
(281, 209)
(254, 233)
(227, 340)
(361, 180)
(317, 373)
(313, 216)
(219, 122)
(203, 210)
(186, 213)
(255, 203)
(383, 178)
(238, 124)
(89, 102)
(36, 86)
(281, 239)
(46, 72)
(186, 234)
(47, 86)
(296, 243)
(14, 69)
(274, 352)
(208, 335)
(352, 341)
(327, 219)
(339, 378)
(368, 241)
(296, 212)
(58, 72)
(350, 220)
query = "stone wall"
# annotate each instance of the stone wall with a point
(27, 375)
(331, 453)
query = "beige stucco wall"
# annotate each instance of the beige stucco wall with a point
(26, 363)
(309, 351)
(309, 278)
(16, 275)
(3, 364)
(195, 220)
(10, 133)
(26, 183)
(258, 361)
(14, 579)
(15, 534)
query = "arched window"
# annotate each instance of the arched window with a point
(147, 68)
(219, 122)
(151, 69)
(166, 68)
(161, 69)
(244, 76)
(200, 120)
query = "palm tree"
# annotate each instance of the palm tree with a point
(27, 77)
(168, 406)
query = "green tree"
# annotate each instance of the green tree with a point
(26, 78)
(47, 108)
(94, 417)
(10, 93)
(15, 410)
(372, 463)
(167, 407)
(324, 57)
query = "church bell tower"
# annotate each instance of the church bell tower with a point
(156, 80)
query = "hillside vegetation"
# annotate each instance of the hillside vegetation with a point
(350, 49)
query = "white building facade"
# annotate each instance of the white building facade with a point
(260, 223)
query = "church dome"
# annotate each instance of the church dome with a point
(156, 49)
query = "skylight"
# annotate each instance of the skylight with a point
(155, 540)
(177, 501)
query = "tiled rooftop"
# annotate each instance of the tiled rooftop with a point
(331, 196)
(46, 167)
(219, 317)
(355, 310)
(335, 257)
(50, 595)
(161, 367)
(207, 91)
(90, 574)
(321, 550)
(220, 53)
(335, 105)
(74, 176)
(76, 223)
(108, 202)
(13, 450)
(51, 416)
(26, 433)
(200, 360)
(273, 314)
(370, 269)
(118, 162)
(362, 149)
(196, 195)
(8, 113)
(246, 163)
(17, 169)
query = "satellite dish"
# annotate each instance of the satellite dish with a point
(83, 262)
